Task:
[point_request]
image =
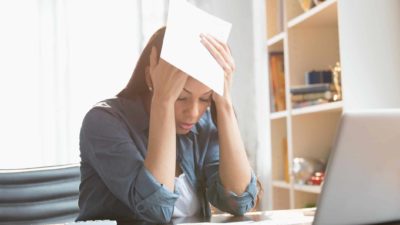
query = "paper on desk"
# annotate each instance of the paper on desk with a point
(182, 47)
(273, 218)
(286, 218)
(92, 222)
(229, 223)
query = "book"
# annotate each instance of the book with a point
(328, 95)
(310, 88)
(296, 105)
(318, 77)
(277, 80)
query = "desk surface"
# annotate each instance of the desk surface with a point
(224, 218)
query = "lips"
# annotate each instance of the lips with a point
(186, 126)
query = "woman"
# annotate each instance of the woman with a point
(154, 151)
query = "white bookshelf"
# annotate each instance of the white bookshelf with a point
(275, 43)
(332, 106)
(309, 40)
(278, 115)
(325, 14)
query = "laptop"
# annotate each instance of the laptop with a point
(362, 183)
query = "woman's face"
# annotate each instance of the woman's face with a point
(191, 104)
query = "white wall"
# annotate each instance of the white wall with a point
(370, 53)
(19, 87)
(57, 59)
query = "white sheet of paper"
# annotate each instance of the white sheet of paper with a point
(284, 217)
(229, 223)
(183, 49)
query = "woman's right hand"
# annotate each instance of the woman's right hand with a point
(167, 80)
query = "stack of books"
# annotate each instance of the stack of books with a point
(317, 89)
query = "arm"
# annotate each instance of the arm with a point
(217, 194)
(107, 145)
(161, 152)
(234, 168)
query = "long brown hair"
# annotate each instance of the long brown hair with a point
(137, 86)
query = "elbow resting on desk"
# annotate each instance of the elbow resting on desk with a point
(230, 202)
(157, 213)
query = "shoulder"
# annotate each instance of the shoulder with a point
(103, 114)
(106, 108)
(117, 113)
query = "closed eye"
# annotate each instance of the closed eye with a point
(181, 99)
(206, 99)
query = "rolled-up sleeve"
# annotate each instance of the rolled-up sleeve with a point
(218, 196)
(113, 154)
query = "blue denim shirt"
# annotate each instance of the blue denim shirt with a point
(114, 182)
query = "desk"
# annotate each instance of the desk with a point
(253, 216)
(219, 218)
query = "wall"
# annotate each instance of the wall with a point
(370, 53)
(56, 62)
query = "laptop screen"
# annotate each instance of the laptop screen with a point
(362, 182)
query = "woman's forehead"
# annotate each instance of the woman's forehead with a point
(196, 87)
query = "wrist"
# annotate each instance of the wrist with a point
(224, 107)
(161, 104)
(162, 100)
(223, 103)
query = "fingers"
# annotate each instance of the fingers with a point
(181, 78)
(155, 61)
(168, 68)
(220, 51)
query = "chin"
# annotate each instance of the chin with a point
(180, 131)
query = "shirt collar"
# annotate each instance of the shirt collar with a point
(194, 128)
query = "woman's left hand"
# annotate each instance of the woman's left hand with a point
(222, 54)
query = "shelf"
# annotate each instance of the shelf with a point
(275, 43)
(308, 40)
(281, 184)
(278, 115)
(322, 15)
(316, 189)
(333, 106)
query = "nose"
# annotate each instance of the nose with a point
(192, 110)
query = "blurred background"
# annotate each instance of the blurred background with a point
(58, 58)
